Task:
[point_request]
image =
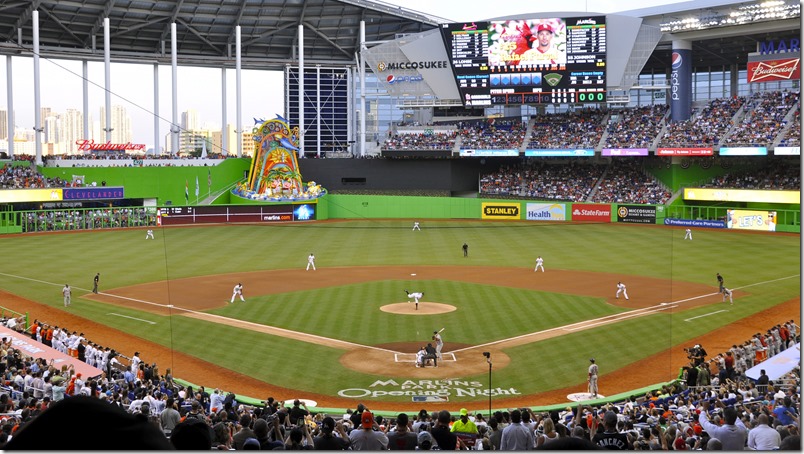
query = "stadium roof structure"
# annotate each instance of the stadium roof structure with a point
(140, 30)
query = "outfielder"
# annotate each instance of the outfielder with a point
(539, 264)
(66, 292)
(310, 262)
(237, 291)
(439, 343)
(416, 225)
(727, 293)
(415, 296)
(149, 234)
(621, 289)
(593, 378)
(688, 234)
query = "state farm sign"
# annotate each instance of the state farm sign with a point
(597, 212)
(774, 70)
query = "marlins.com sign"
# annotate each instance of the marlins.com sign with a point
(546, 212)
(500, 211)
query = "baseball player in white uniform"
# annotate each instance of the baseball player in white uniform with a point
(593, 378)
(237, 291)
(310, 262)
(416, 225)
(539, 264)
(727, 294)
(420, 357)
(415, 297)
(439, 343)
(149, 234)
(688, 234)
(621, 289)
(66, 292)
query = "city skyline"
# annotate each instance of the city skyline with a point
(201, 89)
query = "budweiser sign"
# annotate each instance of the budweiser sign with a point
(773, 70)
(90, 145)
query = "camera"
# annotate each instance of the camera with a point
(487, 354)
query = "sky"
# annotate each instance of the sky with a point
(200, 88)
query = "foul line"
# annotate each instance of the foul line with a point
(705, 315)
(571, 327)
(133, 318)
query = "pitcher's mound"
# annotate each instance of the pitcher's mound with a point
(425, 308)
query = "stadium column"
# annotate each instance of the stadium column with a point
(302, 129)
(37, 96)
(681, 80)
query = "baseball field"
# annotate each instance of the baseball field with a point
(346, 332)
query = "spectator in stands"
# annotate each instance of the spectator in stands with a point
(367, 436)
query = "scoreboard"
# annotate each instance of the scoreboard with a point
(528, 61)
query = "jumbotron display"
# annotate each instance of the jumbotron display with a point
(529, 61)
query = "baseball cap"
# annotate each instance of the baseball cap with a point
(680, 445)
(591, 360)
(464, 412)
(544, 27)
(367, 420)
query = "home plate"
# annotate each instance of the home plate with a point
(578, 397)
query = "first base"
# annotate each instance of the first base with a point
(412, 274)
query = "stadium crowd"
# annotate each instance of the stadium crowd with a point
(706, 128)
(764, 118)
(792, 137)
(711, 405)
(100, 218)
(20, 177)
(625, 181)
(622, 180)
(497, 134)
(773, 174)
(637, 127)
(577, 129)
(420, 141)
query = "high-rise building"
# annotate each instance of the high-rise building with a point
(51, 126)
(3, 125)
(189, 120)
(120, 124)
(72, 130)
(44, 112)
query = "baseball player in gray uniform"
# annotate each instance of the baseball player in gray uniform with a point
(593, 378)
(439, 343)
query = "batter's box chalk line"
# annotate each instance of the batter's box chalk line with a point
(411, 357)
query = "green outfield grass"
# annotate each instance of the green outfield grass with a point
(769, 264)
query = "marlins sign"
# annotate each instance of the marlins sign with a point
(500, 211)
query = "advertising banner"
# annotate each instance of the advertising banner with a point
(787, 151)
(636, 214)
(34, 349)
(500, 211)
(751, 220)
(774, 70)
(624, 152)
(546, 212)
(474, 152)
(695, 223)
(240, 213)
(583, 152)
(742, 195)
(30, 195)
(94, 193)
(743, 151)
(684, 152)
(681, 84)
(598, 212)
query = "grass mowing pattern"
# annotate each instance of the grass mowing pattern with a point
(351, 312)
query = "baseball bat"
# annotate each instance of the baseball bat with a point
(442, 329)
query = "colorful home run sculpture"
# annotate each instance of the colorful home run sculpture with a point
(274, 174)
